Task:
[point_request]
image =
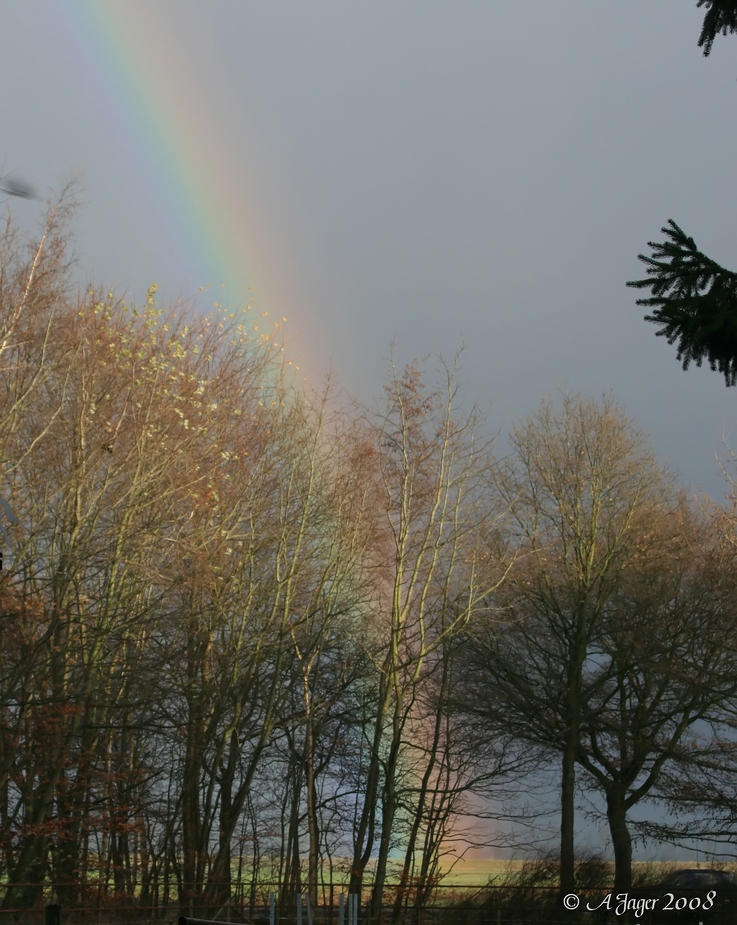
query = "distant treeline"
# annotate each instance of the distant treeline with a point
(248, 631)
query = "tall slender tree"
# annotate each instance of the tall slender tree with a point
(432, 495)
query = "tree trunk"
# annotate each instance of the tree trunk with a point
(219, 881)
(419, 814)
(389, 802)
(312, 817)
(570, 753)
(191, 826)
(616, 811)
(567, 821)
(364, 838)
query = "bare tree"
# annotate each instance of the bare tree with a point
(665, 669)
(581, 485)
(431, 493)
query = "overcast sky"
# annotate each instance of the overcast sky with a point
(477, 171)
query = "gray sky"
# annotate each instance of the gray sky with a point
(481, 172)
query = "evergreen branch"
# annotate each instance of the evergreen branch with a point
(721, 17)
(695, 301)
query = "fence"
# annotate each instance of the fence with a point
(449, 905)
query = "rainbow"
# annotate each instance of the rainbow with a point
(178, 152)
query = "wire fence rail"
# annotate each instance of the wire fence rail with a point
(450, 904)
(481, 904)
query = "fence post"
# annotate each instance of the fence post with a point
(341, 909)
(272, 920)
(299, 909)
(52, 914)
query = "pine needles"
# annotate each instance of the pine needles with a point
(695, 301)
(721, 17)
